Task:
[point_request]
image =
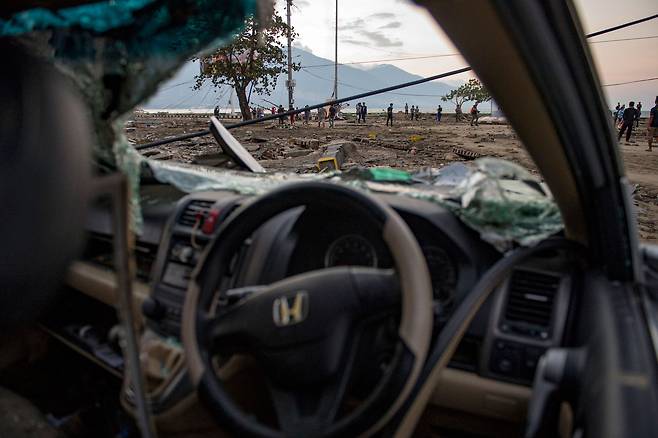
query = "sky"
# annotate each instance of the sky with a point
(372, 30)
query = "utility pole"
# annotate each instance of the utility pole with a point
(289, 83)
(336, 56)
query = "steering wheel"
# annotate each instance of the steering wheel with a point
(302, 330)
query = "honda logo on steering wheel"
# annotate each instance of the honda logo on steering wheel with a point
(290, 310)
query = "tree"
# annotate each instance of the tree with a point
(250, 62)
(473, 90)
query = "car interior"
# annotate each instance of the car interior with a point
(317, 309)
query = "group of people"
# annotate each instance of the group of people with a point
(413, 114)
(330, 113)
(361, 112)
(626, 118)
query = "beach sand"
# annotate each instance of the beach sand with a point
(408, 145)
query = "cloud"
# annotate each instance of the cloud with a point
(385, 15)
(301, 3)
(355, 42)
(391, 25)
(302, 46)
(380, 39)
(356, 24)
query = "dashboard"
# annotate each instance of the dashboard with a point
(503, 344)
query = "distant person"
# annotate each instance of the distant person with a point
(307, 115)
(638, 109)
(322, 114)
(620, 113)
(216, 111)
(628, 119)
(652, 124)
(617, 107)
(389, 114)
(332, 115)
(475, 114)
(417, 112)
(282, 119)
(292, 116)
(364, 111)
(273, 110)
(406, 110)
(358, 112)
(439, 110)
(458, 113)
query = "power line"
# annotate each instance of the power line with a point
(363, 89)
(624, 39)
(405, 58)
(177, 85)
(383, 90)
(631, 82)
(621, 26)
(298, 111)
(384, 60)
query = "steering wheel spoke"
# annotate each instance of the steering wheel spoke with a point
(378, 290)
(309, 410)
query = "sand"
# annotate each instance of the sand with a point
(408, 145)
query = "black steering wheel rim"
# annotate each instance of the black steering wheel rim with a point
(415, 325)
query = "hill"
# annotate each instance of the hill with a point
(314, 85)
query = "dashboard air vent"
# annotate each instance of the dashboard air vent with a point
(529, 306)
(192, 209)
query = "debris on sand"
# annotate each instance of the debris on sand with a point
(465, 153)
(335, 155)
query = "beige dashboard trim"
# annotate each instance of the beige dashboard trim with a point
(468, 392)
(101, 284)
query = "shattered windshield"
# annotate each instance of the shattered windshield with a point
(152, 70)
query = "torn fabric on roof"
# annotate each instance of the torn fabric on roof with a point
(116, 53)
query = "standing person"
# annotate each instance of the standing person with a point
(332, 115)
(322, 114)
(307, 115)
(292, 116)
(475, 114)
(406, 110)
(628, 119)
(639, 114)
(458, 113)
(389, 114)
(439, 110)
(620, 113)
(364, 111)
(652, 124)
(216, 111)
(358, 112)
(281, 118)
(417, 112)
(273, 110)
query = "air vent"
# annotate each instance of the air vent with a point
(192, 209)
(530, 300)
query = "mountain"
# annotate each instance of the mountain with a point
(314, 84)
